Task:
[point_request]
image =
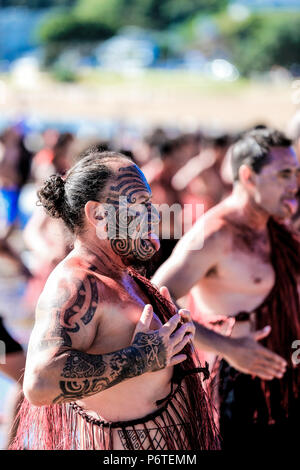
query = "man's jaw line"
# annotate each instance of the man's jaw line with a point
(104, 253)
(255, 216)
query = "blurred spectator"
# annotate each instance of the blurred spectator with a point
(15, 162)
(293, 132)
(173, 154)
(201, 177)
(55, 157)
(46, 238)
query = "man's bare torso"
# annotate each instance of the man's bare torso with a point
(241, 276)
(118, 303)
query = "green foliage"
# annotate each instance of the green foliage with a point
(148, 13)
(36, 3)
(277, 42)
(255, 43)
(107, 12)
(113, 14)
(67, 27)
(177, 10)
(96, 20)
(62, 74)
(263, 40)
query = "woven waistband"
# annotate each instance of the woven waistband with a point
(177, 379)
(120, 424)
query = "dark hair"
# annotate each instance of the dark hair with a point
(253, 149)
(85, 181)
(168, 147)
(217, 141)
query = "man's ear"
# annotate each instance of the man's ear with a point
(94, 212)
(246, 176)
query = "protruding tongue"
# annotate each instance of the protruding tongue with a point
(292, 204)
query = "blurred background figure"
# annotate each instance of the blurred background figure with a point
(54, 157)
(44, 237)
(202, 175)
(293, 131)
(14, 171)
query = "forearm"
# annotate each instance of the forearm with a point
(75, 374)
(169, 276)
(209, 340)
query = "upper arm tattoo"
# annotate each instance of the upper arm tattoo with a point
(76, 306)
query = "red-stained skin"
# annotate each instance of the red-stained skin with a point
(231, 272)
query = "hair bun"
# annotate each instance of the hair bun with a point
(52, 196)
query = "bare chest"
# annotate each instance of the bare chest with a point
(240, 281)
(121, 310)
(245, 272)
(246, 262)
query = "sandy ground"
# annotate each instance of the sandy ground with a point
(155, 98)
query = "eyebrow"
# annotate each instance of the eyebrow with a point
(289, 170)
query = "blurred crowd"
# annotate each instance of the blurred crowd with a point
(182, 168)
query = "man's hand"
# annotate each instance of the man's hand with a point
(161, 348)
(245, 354)
(183, 312)
(249, 357)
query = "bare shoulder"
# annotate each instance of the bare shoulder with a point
(68, 308)
(70, 279)
(211, 231)
(199, 250)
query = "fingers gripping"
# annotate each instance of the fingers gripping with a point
(172, 336)
(184, 329)
(261, 334)
(166, 294)
(145, 319)
(176, 336)
(179, 346)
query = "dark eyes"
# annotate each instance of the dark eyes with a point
(288, 173)
(285, 175)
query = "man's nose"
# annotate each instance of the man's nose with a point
(293, 186)
(153, 214)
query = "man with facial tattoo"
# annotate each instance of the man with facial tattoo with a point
(239, 268)
(110, 362)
